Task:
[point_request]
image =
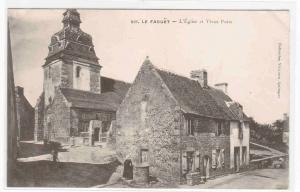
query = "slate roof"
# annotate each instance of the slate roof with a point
(192, 98)
(113, 92)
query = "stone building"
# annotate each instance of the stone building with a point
(25, 115)
(77, 104)
(178, 125)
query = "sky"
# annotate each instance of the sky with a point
(247, 49)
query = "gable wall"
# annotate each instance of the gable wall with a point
(25, 116)
(146, 122)
(58, 114)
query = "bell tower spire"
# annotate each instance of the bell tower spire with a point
(71, 18)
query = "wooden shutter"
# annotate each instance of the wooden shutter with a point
(222, 154)
(219, 163)
(213, 159)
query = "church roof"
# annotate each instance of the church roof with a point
(113, 92)
(194, 99)
(71, 40)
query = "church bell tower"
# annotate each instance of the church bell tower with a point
(71, 61)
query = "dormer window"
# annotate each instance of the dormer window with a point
(78, 69)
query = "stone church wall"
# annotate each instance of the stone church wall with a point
(57, 120)
(52, 78)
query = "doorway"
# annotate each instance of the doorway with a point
(237, 159)
(206, 166)
(128, 169)
(96, 134)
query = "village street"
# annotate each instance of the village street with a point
(77, 166)
(95, 167)
(256, 179)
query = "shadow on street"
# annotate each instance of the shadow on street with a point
(62, 174)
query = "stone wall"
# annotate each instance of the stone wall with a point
(205, 143)
(150, 120)
(95, 84)
(52, 78)
(205, 140)
(57, 119)
(25, 115)
(84, 115)
(147, 123)
(67, 74)
(39, 119)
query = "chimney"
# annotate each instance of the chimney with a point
(200, 76)
(19, 90)
(222, 86)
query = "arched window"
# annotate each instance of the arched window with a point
(78, 69)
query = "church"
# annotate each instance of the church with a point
(77, 105)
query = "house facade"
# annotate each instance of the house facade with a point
(25, 115)
(77, 105)
(178, 125)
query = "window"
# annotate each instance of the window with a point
(244, 155)
(219, 128)
(240, 130)
(83, 126)
(144, 158)
(78, 69)
(217, 158)
(190, 127)
(50, 100)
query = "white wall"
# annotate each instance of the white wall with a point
(236, 142)
(83, 81)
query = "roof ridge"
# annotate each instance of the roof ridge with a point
(174, 73)
(80, 90)
(116, 79)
